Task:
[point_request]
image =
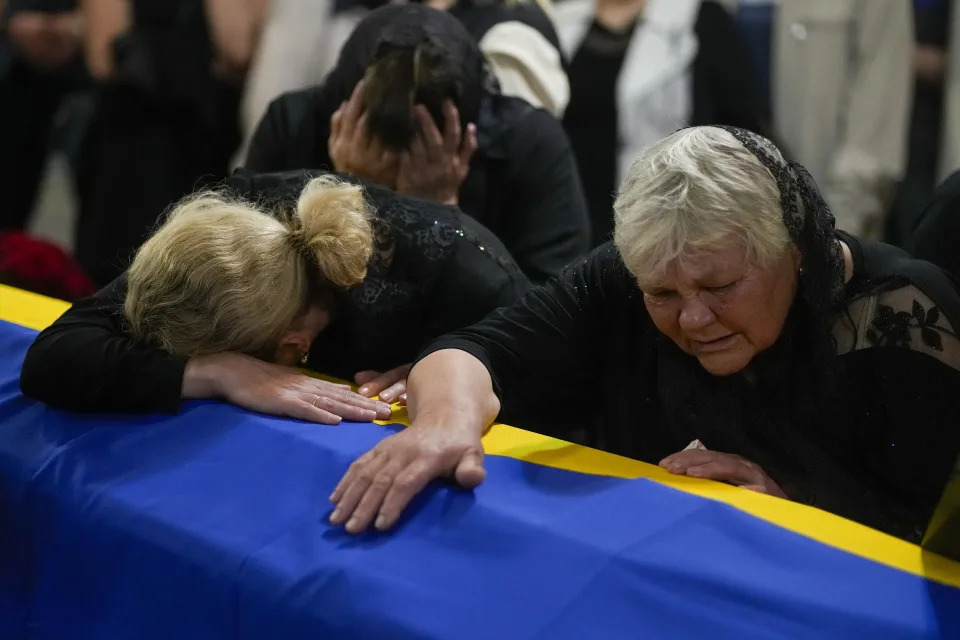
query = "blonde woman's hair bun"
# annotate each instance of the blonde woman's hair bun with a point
(333, 227)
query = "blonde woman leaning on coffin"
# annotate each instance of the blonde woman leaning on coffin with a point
(226, 298)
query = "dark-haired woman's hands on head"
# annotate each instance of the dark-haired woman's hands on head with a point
(390, 385)
(435, 165)
(353, 150)
(276, 390)
(722, 467)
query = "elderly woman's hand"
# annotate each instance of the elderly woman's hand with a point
(276, 390)
(436, 165)
(391, 385)
(379, 485)
(723, 467)
(353, 150)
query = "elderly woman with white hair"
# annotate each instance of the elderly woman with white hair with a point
(729, 314)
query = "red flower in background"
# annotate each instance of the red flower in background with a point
(39, 266)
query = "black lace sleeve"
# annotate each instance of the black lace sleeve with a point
(897, 339)
(895, 301)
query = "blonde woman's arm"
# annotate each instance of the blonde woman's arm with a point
(86, 362)
(273, 389)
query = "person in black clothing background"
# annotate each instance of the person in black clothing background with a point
(640, 70)
(432, 270)
(932, 34)
(936, 237)
(521, 182)
(301, 41)
(165, 120)
(39, 65)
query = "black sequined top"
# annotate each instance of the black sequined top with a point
(435, 270)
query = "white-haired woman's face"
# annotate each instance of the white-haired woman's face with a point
(719, 308)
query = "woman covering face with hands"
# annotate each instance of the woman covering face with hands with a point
(228, 298)
(412, 106)
(730, 333)
(433, 166)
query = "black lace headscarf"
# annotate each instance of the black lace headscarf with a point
(809, 221)
(405, 26)
(763, 411)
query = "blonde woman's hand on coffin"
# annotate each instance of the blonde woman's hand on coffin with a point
(276, 390)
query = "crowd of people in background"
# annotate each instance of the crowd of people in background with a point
(154, 100)
(518, 193)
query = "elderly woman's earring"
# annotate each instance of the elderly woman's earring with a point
(303, 357)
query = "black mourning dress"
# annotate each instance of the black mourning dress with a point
(163, 126)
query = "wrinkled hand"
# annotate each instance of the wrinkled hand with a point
(281, 391)
(723, 467)
(353, 150)
(435, 166)
(391, 386)
(46, 40)
(381, 483)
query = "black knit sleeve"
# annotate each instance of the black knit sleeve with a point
(548, 342)
(85, 362)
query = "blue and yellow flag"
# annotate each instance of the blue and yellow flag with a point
(213, 524)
